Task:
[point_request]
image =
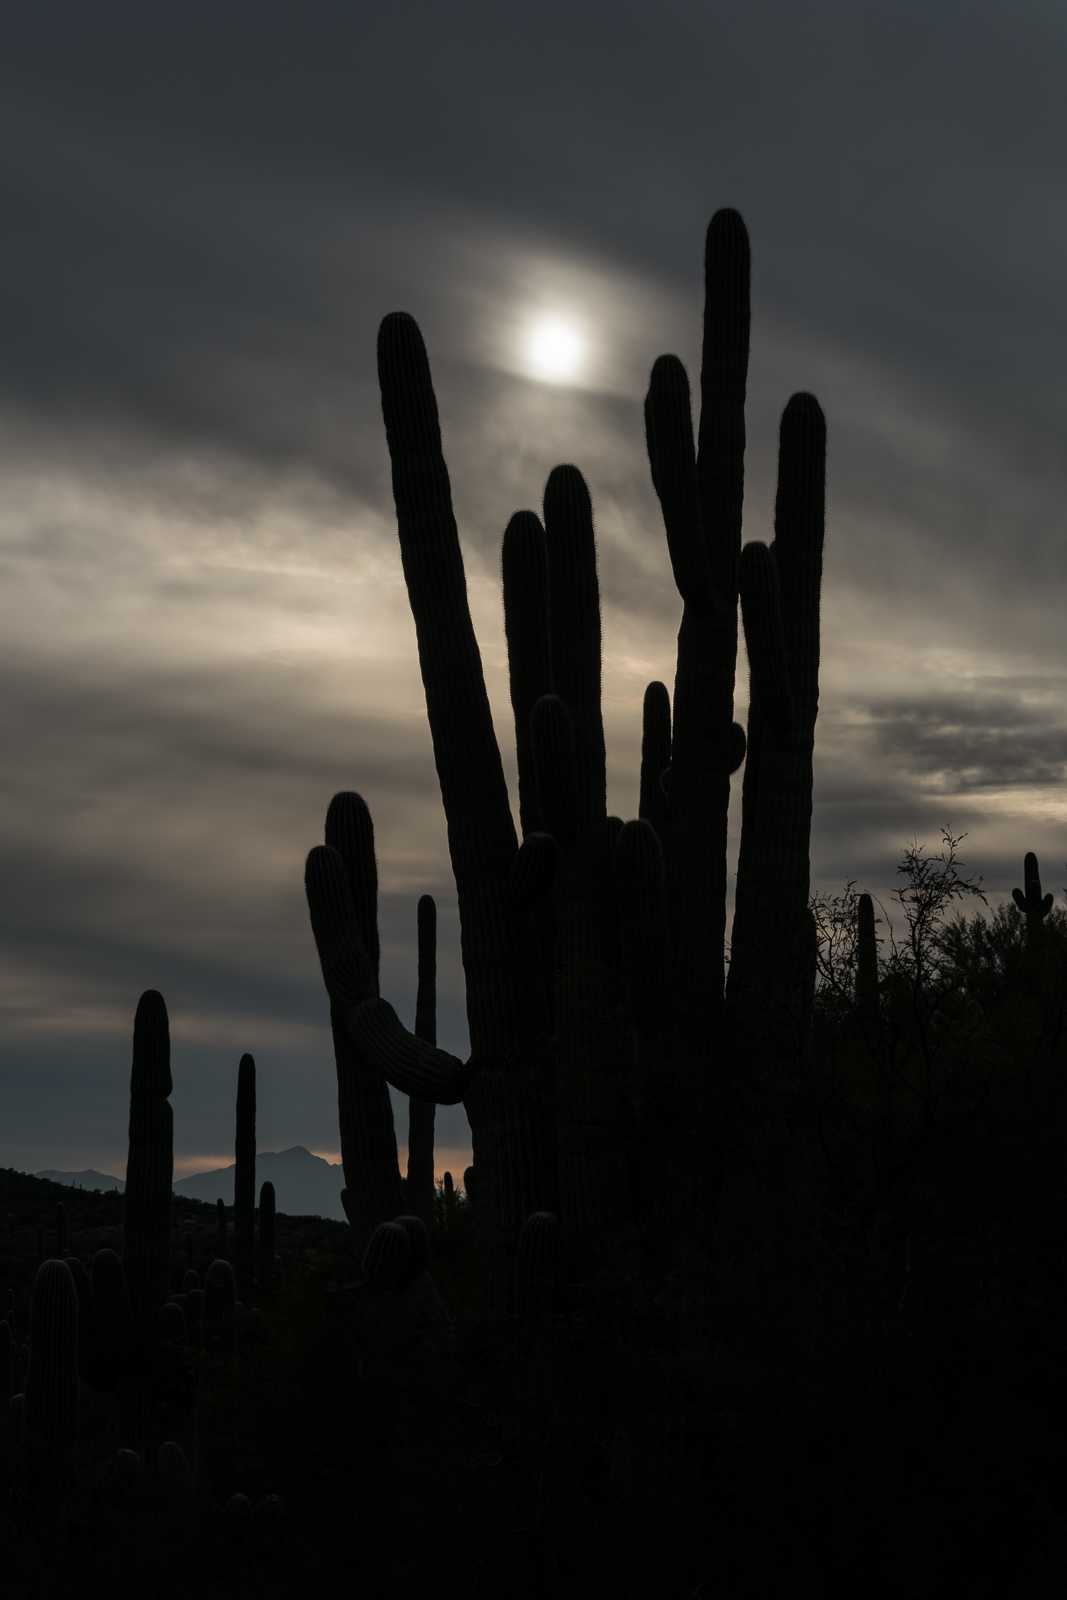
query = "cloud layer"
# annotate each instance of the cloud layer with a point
(204, 628)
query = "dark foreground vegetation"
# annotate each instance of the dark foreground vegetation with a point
(859, 1389)
(758, 1284)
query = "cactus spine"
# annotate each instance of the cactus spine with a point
(421, 1113)
(244, 1182)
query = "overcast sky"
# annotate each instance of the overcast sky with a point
(208, 207)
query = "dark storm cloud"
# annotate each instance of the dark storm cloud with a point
(207, 210)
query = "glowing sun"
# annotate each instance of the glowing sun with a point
(554, 349)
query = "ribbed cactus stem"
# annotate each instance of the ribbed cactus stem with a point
(266, 1243)
(385, 1260)
(421, 1113)
(147, 1202)
(52, 1374)
(244, 1182)
(368, 1135)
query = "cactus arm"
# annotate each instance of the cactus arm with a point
(574, 631)
(524, 564)
(350, 831)
(655, 755)
(757, 576)
(669, 435)
(407, 1062)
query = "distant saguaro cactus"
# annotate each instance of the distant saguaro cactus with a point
(867, 1007)
(244, 1182)
(146, 1208)
(1029, 899)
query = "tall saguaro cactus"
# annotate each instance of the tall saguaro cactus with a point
(146, 1207)
(772, 967)
(244, 1182)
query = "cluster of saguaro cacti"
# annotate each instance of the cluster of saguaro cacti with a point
(594, 953)
(119, 1328)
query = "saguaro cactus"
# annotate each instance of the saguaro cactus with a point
(244, 1182)
(146, 1209)
(52, 1375)
(1029, 899)
(421, 1113)
(772, 965)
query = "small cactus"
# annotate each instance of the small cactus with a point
(224, 1243)
(190, 1282)
(418, 1248)
(867, 1008)
(52, 1375)
(385, 1260)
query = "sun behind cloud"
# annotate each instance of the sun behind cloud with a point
(554, 348)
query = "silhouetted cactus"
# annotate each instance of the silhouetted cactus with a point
(190, 1281)
(1029, 899)
(146, 1208)
(772, 964)
(385, 1260)
(121, 1475)
(470, 1187)
(421, 1113)
(244, 1182)
(52, 1375)
(266, 1243)
(224, 1242)
(418, 1257)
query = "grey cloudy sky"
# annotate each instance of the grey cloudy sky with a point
(207, 209)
